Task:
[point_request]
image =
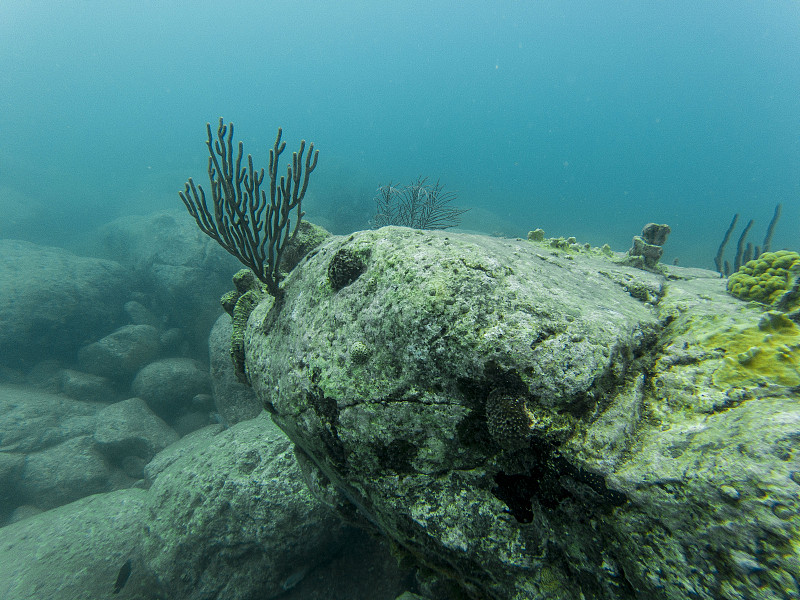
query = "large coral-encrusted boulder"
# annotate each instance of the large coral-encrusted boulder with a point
(534, 422)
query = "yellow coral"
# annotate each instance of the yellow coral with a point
(766, 278)
(762, 355)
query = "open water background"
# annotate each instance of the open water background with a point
(583, 118)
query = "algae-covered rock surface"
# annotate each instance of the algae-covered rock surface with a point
(230, 517)
(529, 420)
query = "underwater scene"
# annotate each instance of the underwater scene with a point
(487, 300)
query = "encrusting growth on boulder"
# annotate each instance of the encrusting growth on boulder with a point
(766, 278)
(509, 420)
(344, 268)
(239, 303)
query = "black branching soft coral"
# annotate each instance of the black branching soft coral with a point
(251, 226)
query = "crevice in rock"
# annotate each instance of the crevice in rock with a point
(549, 480)
(327, 411)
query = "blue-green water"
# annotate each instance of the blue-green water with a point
(583, 118)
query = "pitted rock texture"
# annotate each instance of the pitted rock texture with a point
(489, 405)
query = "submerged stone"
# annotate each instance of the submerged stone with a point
(521, 421)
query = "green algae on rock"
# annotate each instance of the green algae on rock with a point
(240, 302)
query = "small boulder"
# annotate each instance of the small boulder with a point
(169, 385)
(234, 518)
(130, 429)
(121, 353)
(52, 555)
(63, 473)
(87, 387)
(31, 420)
(140, 315)
(54, 299)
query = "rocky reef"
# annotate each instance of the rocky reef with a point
(525, 421)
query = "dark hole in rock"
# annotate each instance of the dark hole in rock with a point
(397, 456)
(550, 480)
(345, 267)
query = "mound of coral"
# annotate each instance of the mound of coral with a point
(766, 278)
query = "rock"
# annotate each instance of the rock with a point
(130, 429)
(87, 387)
(191, 421)
(53, 299)
(203, 403)
(233, 519)
(46, 376)
(541, 423)
(11, 465)
(46, 457)
(178, 260)
(31, 420)
(54, 450)
(187, 446)
(172, 340)
(308, 237)
(121, 353)
(168, 237)
(63, 473)
(168, 385)
(140, 315)
(23, 512)
(234, 401)
(79, 551)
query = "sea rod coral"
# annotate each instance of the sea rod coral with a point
(255, 230)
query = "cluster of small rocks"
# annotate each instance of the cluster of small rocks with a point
(645, 252)
(97, 374)
(128, 465)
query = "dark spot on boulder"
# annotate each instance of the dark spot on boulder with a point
(516, 491)
(397, 456)
(551, 479)
(345, 267)
(328, 412)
